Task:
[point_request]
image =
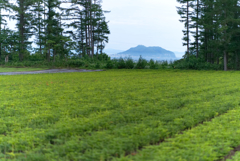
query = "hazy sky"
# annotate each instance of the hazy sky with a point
(144, 22)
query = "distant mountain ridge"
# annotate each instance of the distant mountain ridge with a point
(154, 52)
(112, 51)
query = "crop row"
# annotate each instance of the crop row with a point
(236, 157)
(106, 115)
(209, 141)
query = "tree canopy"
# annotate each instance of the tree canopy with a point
(214, 26)
(49, 30)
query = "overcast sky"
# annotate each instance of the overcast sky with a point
(144, 22)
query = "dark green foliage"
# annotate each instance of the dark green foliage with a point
(121, 63)
(97, 65)
(90, 27)
(129, 63)
(76, 63)
(33, 157)
(214, 26)
(109, 64)
(24, 26)
(195, 63)
(141, 63)
(103, 57)
(57, 36)
(152, 64)
(164, 64)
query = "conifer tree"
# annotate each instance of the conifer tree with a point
(23, 17)
(46, 21)
(90, 24)
(53, 28)
(38, 24)
(3, 22)
(195, 5)
(185, 13)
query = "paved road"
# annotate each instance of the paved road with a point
(50, 71)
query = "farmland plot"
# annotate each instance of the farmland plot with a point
(113, 115)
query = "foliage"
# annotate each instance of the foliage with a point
(214, 27)
(109, 64)
(76, 63)
(152, 64)
(103, 57)
(59, 31)
(141, 63)
(236, 157)
(106, 115)
(121, 63)
(214, 140)
(129, 63)
(192, 62)
(101, 61)
(97, 65)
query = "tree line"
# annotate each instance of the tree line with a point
(214, 27)
(58, 29)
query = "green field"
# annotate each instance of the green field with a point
(120, 115)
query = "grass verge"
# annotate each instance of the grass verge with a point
(3, 69)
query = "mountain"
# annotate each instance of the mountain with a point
(156, 53)
(111, 51)
(179, 54)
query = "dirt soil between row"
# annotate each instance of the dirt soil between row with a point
(50, 71)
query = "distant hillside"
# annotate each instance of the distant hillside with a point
(179, 54)
(112, 51)
(156, 53)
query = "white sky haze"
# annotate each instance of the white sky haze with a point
(144, 22)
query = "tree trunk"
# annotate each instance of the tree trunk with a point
(54, 54)
(101, 49)
(45, 29)
(225, 61)
(237, 61)
(6, 59)
(39, 30)
(86, 37)
(86, 31)
(82, 38)
(205, 45)
(0, 32)
(48, 55)
(197, 29)
(90, 29)
(21, 30)
(187, 28)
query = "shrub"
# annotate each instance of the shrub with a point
(97, 65)
(141, 63)
(164, 64)
(76, 63)
(109, 64)
(103, 57)
(152, 64)
(192, 62)
(121, 63)
(129, 63)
